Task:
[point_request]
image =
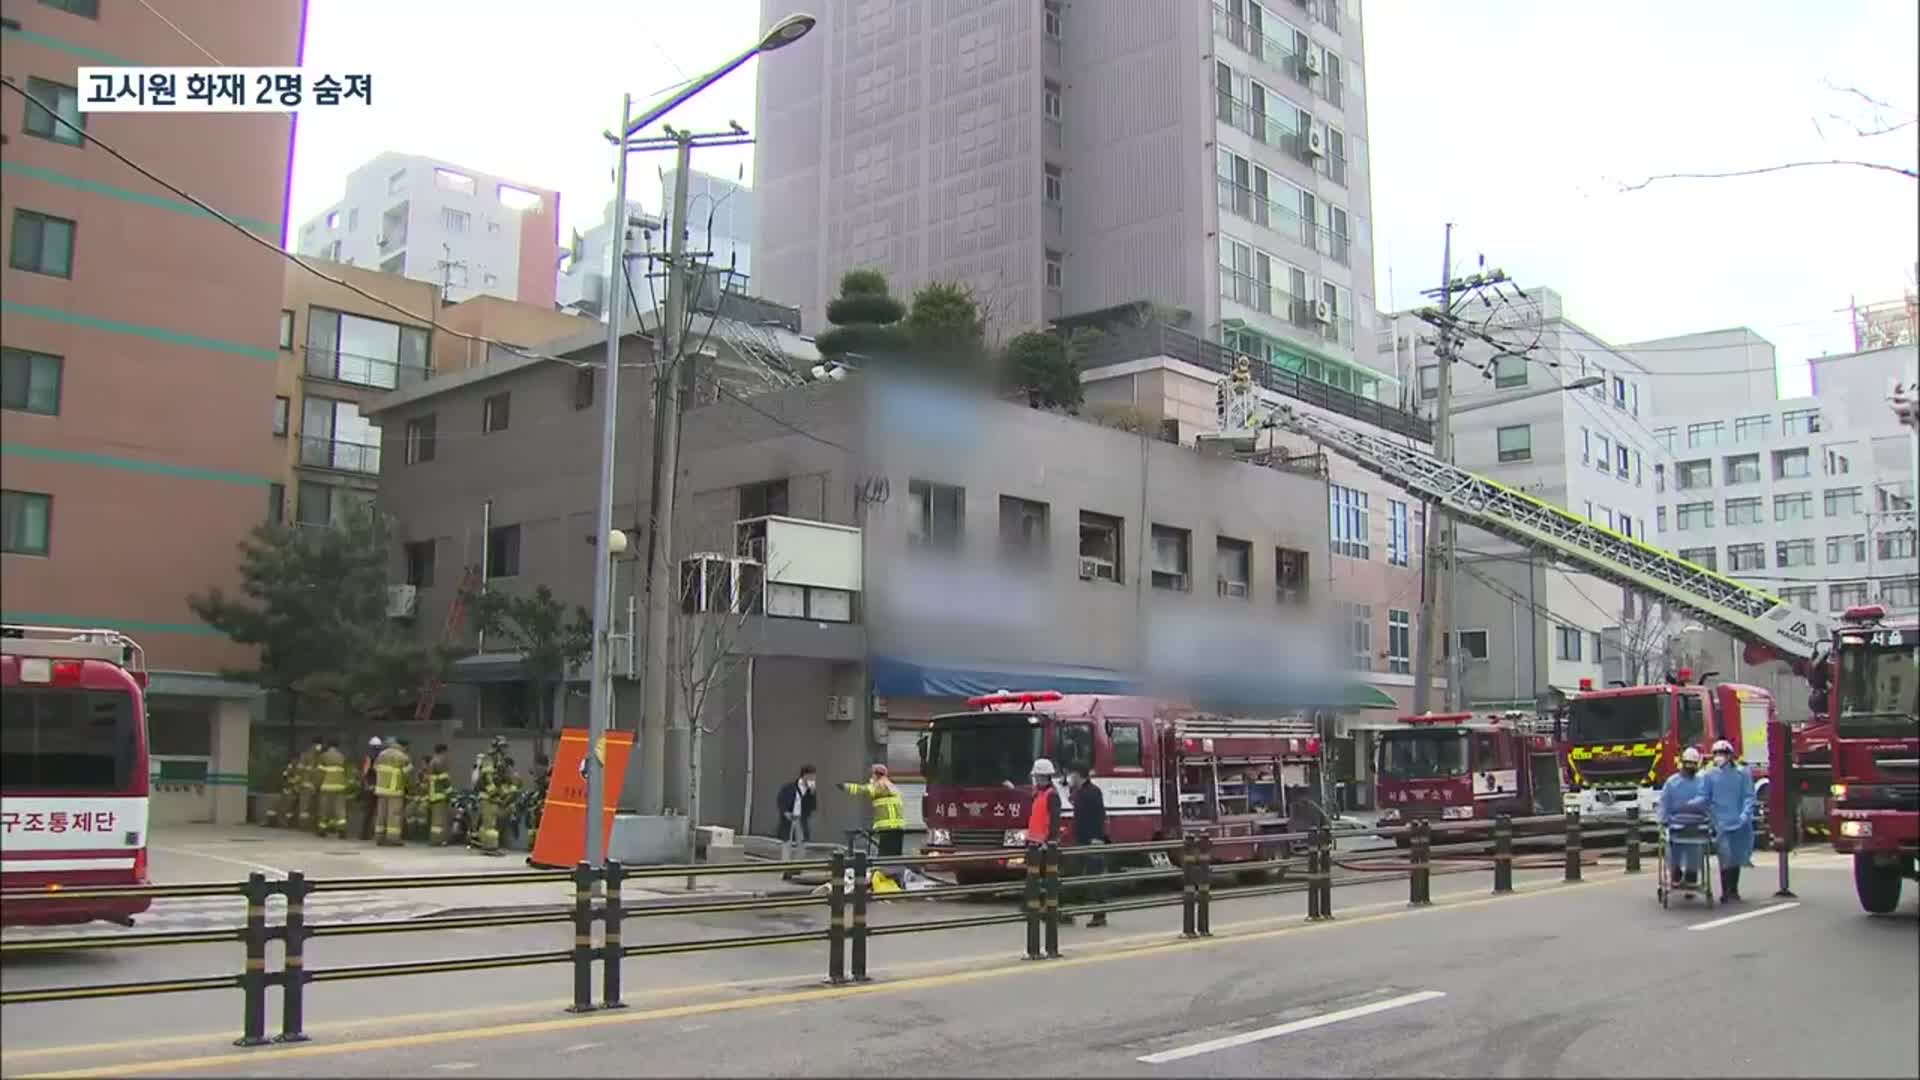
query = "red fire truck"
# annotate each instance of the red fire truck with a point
(1620, 744)
(73, 772)
(1166, 770)
(1462, 767)
(1874, 686)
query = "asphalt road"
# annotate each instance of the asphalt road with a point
(1593, 979)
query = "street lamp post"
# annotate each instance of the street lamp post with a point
(783, 33)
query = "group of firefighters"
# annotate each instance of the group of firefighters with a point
(397, 795)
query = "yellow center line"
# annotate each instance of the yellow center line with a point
(828, 993)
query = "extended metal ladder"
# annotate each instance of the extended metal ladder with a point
(456, 618)
(1748, 613)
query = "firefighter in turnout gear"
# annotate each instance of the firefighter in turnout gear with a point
(489, 786)
(330, 817)
(310, 782)
(390, 793)
(439, 788)
(286, 808)
(889, 811)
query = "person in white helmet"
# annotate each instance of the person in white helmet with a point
(1731, 800)
(1683, 801)
(1043, 813)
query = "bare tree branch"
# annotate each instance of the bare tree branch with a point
(1908, 173)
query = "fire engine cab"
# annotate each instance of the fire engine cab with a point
(1462, 767)
(1165, 770)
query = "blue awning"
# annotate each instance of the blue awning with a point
(894, 677)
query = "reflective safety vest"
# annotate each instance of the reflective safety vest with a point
(889, 809)
(1040, 817)
(390, 773)
(332, 768)
(439, 781)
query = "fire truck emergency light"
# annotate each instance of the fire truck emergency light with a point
(1868, 613)
(1586, 684)
(1685, 675)
(40, 670)
(1006, 698)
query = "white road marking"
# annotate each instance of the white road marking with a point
(196, 853)
(577, 1047)
(456, 1066)
(1311, 1022)
(1754, 914)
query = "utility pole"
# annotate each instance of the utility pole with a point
(1442, 449)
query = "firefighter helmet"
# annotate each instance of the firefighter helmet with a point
(1690, 756)
(1042, 767)
(1722, 746)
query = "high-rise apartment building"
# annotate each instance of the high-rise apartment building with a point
(139, 358)
(471, 233)
(1064, 158)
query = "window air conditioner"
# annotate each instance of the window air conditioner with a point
(1322, 311)
(1310, 62)
(1316, 142)
(1092, 569)
(1236, 589)
(402, 600)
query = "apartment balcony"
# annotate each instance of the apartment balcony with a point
(1247, 203)
(326, 452)
(355, 369)
(1120, 347)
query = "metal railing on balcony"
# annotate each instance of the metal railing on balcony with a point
(1246, 202)
(1264, 127)
(326, 452)
(1119, 347)
(381, 373)
(1273, 298)
(1255, 41)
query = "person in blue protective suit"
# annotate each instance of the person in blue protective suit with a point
(1730, 793)
(1683, 801)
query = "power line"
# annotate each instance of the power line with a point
(255, 238)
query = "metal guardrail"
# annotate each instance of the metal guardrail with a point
(596, 898)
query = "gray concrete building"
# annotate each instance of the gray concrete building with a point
(1064, 157)
(906, 549)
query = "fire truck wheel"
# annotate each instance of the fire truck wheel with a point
(1877, 884)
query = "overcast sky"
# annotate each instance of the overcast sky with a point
(1518, 120)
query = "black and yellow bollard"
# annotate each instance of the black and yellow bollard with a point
(837, 918)
(857, 937)
(1503, 854)
(1203, 913)
(1573, 845)
(253, 982)
(1420, 862)
(1323, 840)
(1633, 839)
(610, 947)
(1313, 875)
(1050, 896)
(293, 977)
(1189, 888)
(1033, 901)
(582, 938)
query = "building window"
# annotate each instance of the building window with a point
(286, 329)
(26, 522)
(1843, 502)
(1515, 443)
(1705, 557)
(583, 380)
(496, 412)
(1626, 525)
(1842, 597)
(1052, 185)
(1743, 469)
(1619, 392)
(86, 9)
(455, 221)
(1473, 644)
(363, 351)
(1660, 518)
(419, 555)
(333, 435)
(454, 181)
(276, 503)
(1838, 463)
(420, 438)
(1700, 436)
(1895, 544)
(41, 244)
(1100, 547)
(30, 381)
(1233, 567)
(1622, 461)
(1056, 270)
(1358, 636)
(1171, 550)
(767, 498)
(1692, 516)
(1050, 100)
(503, 551)
(1743, 512)
(1666, 437)
(1752, 428)
(1793, 507)
(1801, 596)
(1846, 549)
(1689, 475)
(1746, 557)
(1347, 521)
(939, 511)
(1023, 530)
(1900, 594)
(1568, 642)
(1050, 19)
(1791, 464)
(1605, 457)
(1290, 577)
(53, 112)
(1800, 421)
(1399, 641)
(282, 415)
(1398, 553)
(321, 504)
(1788, 553)
(1510, 371)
